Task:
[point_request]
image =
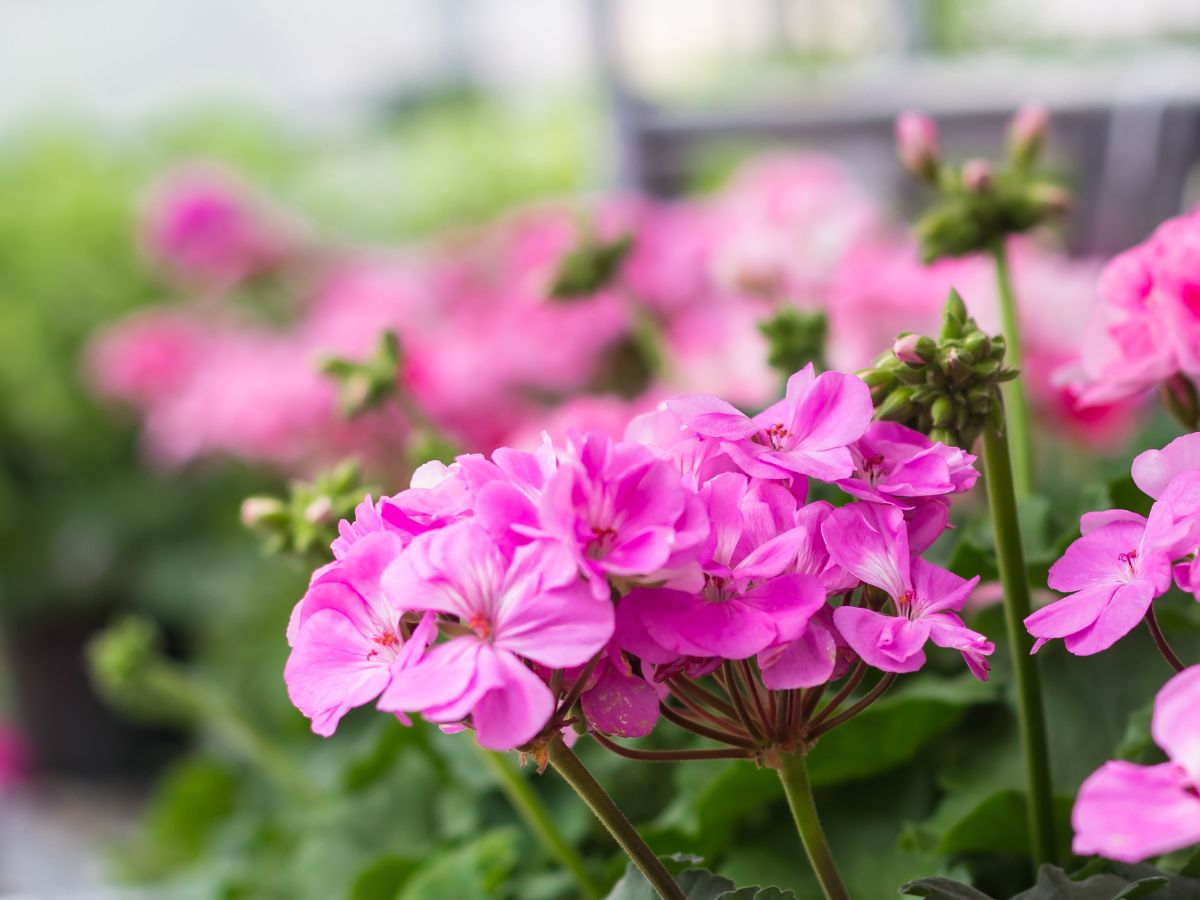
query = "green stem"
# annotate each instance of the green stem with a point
(530, 808)
(1020, 437)
(1030, 710)
(574, 773)
(793, 773)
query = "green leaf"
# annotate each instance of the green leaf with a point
(942, 889)
(475, 870)
(1144, 887)
(697, 884)
(1123, 493)
(589, 267)
(892, 731)
(382, 879)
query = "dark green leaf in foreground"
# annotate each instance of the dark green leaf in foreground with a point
(697, 884)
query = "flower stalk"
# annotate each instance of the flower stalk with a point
(1020, 439)
(1014, 578)
(574, 773)
(537, 819)
(793, 775)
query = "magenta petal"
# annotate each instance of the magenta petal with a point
(730, 629)
(806, 662)
(516, 709)
(834, 464)
(443, 675)
(1091, 521)
(1071, 614)
(631, 632)
(871, 543)
(1154, 469)
(500, 506)
(835, 411)
(711, 416)
(1123, 612)
(1094, 559)
(1129, 812)
(620, 704)
(330, 670)
(558, 628)
(1176, 722)
(888, 643)
(788, 601)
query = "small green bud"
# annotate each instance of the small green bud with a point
(908, 375)
(898, 405)
(978, 344)
(942, 411)
(942, 436)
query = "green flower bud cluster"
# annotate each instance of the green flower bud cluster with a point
(947, 388)
(366, 385)
(978, 204)
(795, 338)
(589, 267)
(304, 523)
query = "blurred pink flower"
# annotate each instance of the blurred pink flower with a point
(204, 226)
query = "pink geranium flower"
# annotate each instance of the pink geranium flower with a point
(620, 511)
(1129, 812)
(511, 608)
(751, 599)
(1116, 569)
(896, 465)
(871, 542)
(346, 637)
(806, 433)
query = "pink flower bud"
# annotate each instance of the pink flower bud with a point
(320, 510)
(1027, 133)
(977, 176)
(917, 144)
(1052, 198)
(905, 349)
(258, 510)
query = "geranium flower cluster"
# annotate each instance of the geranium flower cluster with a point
(230, 373)
(496, 592)
(1124, 561)
(1145, 330)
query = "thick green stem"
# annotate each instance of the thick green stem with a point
(1015, 579)
(574, 773)
(530, 808)
(793, 773)
(1020, 437)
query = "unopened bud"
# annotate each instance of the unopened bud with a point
(977, 176)
(914, 349)
(1051, 199)
(954, 315)
(257, 511)
(898, 405)
(1027, 134)
(917, 145)
(320, 510)
(942, 411)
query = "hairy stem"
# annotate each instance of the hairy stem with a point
(1160, 641)
(793, 774)
(1020, 436)
(574, 773)
(1030, 710)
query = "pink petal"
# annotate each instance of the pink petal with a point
(834, 412)
(1129, 813)
(1176, 722)
(1154, 469)
(513, 711)
(939, 589)
(1071, 614)
(1091, 521)
(806, 662)
(948, 630)
(1120, 616)
(1094, 559)
(711, 416)
(330, 670)
(621, 704)
(558, 628)
(788, 601)
(888, 643)
(871, 543)
(444, 675)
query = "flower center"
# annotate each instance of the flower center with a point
(906, 605)
(603, 538)
(480, 625)
(777, 434)
(387, 641)
(872, 467)
(1128, 559)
